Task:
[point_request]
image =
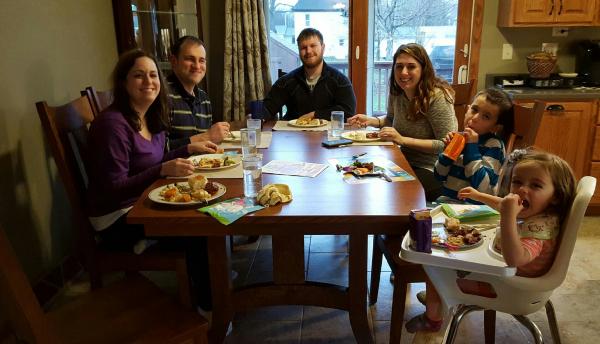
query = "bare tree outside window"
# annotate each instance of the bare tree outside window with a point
(431, 23)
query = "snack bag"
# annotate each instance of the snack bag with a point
(420, 230)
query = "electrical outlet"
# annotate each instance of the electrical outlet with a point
(507, 51)
(560, 32)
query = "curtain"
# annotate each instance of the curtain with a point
(246, 71)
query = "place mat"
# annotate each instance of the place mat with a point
(228, 173)
(283, 126)
(373, 143)
(265, 142)
(395, 172)
(293, 168)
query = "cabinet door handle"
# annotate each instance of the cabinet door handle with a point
(560, 8)
(555, 107)
(551, 8)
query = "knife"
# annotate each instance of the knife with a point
(386, 177)
(354, 157)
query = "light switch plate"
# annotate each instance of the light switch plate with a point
(507, 51)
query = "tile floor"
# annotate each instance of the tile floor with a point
(577, 301)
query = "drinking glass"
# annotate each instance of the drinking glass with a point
(252, 166)
(252, 123)
(337, 125)
(248, 137)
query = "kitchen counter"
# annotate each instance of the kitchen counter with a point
(552, 93)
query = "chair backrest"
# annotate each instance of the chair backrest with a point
(66, 130)
(99, 100)
(462, 98)
(527, 119)
(568, 233)
(17, 300)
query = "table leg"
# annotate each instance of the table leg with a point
(219, 261)
(357, 291)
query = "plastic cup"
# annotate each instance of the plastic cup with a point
(252, 123)
(252, 167)
(248, 138)
(336, 125)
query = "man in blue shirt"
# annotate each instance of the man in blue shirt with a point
(191, 111)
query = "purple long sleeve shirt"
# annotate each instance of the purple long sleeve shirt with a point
(122, 163)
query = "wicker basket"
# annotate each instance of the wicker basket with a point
(540, 68)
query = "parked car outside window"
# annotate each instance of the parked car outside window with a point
(442, 58)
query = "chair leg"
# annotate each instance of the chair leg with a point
(376, 261)
(552, 322)
(532, 327)
(398, 305)
(183, 279)
(456, 319)
(489, 326)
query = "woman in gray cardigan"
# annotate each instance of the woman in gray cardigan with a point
(420, 114)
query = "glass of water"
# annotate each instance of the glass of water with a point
(337, 125)
(254, 124)
(249, 140)
(252, 166)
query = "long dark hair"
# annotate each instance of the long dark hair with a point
(157, 116)
(427, 85)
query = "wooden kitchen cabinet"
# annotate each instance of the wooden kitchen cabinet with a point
(568, 131)
(523, 13)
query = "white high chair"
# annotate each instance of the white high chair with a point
(518, 296)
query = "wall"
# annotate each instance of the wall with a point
(213, 23)
(50, 50)
(524, 41)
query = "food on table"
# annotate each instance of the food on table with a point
(358, 167)
(213, 162)
(452, 224)
(363, 135)
(197, 188)
(461, 238)
(197, 182)
(271, 194)
(309, 121)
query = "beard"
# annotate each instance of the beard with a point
(306, 64)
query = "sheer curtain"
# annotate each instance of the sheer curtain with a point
(246, 70)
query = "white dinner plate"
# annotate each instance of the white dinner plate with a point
(234, 136)
(322, 122)
(196, 159)
(155, 196)
(357, 136)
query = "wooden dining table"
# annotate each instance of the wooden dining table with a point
(325, 204)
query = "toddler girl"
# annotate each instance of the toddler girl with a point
(542, 188)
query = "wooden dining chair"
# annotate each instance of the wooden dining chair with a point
(463, 95)
(99, 100)
(527, 119)
(127, 311)
(66, 130)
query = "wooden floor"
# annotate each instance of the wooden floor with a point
(577, 301)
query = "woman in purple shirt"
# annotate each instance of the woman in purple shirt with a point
(127, 154)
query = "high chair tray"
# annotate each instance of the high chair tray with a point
(477, 259)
